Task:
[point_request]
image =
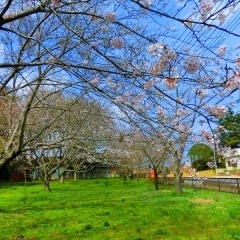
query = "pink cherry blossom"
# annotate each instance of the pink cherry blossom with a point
(156, 69)
(182, 112)
(118, 99)
(110, 83)
(138, 98)
(163, 61)
(221, 18)
(234, 82)
(238, 62)
(221, 129)
(56, 3)
(202, 93)
(126, 96)
(222, 50)
(206, 134)
(206, 6)
(85, 62)
(182, 127)
(191, 64)
(171, 83)
(110, 17)
(117, 42)
(161, 112)
(170, 54)
(95, 80)
(217, 111)
(148, 85)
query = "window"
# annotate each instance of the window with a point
(232, 164)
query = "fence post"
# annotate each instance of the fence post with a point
(238, 186)
(218, 185)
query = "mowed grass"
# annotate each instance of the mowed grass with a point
(101, 209)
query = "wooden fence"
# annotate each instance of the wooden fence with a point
(218, 184)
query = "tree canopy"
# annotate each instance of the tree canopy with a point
(200, 154)
(230, 130)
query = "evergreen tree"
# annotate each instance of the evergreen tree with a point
(230, 137)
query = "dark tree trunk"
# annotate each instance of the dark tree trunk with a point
(138, 177)
(131, 175)
(124, 175)
(10, 174)
(156, 183)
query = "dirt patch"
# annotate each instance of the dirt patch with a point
(164, 190)
(203, 201)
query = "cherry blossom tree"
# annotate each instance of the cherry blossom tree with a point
(157, 154)
(77, 130)
(131, 158)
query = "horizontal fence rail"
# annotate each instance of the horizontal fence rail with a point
(219, 184)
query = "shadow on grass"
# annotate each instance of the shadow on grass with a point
(7, 184)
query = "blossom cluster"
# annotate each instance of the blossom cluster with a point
(210, 138)
(56, 3)
(95, 80)
(137, 99)
(182, 112)
(238, 63)
(117, 42)
(217, 111)
(221, 18)
(206, 6)
(234, 82)
(191, 64)
(202, 93)
(207, 135)
(171, 83)
(110, 83)
(110, 17)
(164, 54)
(161, 112)
(221, 129)
(148, 85)
(182, 127)
(222, 50)
(212, 164)
(122, 98)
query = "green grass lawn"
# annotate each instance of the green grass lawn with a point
(102, 209)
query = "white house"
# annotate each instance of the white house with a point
(232, 159)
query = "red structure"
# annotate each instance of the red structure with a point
(152, 174)
(18, 176)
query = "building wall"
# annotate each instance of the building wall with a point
(233, 155)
